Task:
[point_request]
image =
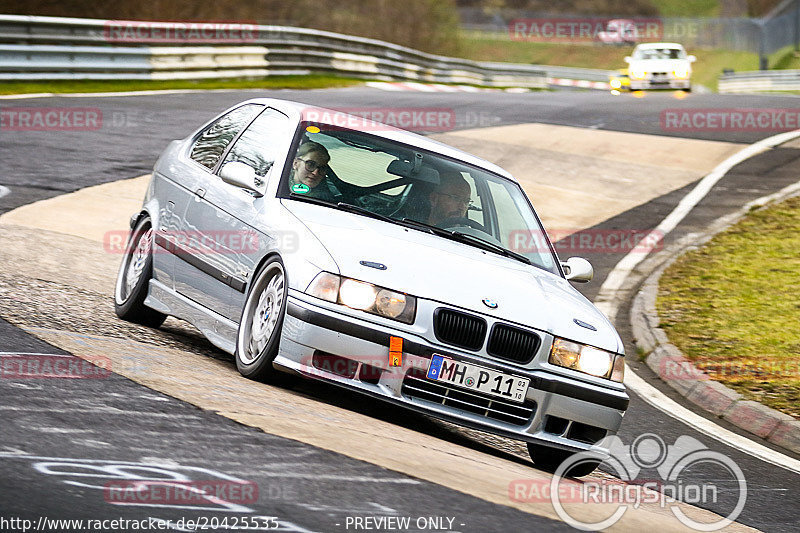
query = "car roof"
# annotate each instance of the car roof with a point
(648, 46)
(299, 111)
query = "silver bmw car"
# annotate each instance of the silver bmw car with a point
(311, 242)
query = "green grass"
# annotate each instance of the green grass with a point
(706, 71)
(785, 58)
(687, 8)
(314, 81)
(733, 308)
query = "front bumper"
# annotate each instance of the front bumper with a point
(558, 411)
(636, 85)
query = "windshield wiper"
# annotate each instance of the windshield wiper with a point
(429, 228)
(490, 246)
(344, 206)
(466, 238)
(363, 211)
(309, 199)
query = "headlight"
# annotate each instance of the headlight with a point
(681, 72)
(325, 286)
(364, 297)
(637, 73)
(357, 294)
(587, 359)
(615, 83)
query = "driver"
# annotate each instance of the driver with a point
(309, 172)
(450, 199)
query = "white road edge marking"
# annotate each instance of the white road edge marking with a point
(662, 402)
(608, 291)
(617, 276)
(151, 92)
(4, 191)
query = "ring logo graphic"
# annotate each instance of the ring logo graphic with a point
(675, 465)
(649, 472)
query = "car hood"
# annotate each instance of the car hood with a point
(434, 268)
(658, 65)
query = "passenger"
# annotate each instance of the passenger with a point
(450, 199)
(309, 173)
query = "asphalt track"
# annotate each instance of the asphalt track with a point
(39, 165)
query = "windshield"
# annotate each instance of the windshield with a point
(404, 185)
(659, 53)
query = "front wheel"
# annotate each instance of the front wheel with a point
(262, 320)
(550, 459)
(134, 277)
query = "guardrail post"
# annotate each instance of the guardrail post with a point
(763, 60)
(797, 26)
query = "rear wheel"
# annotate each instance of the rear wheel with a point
(134, 277)
(262, 320)
(550, 459)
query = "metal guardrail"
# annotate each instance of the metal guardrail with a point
(69, 48)
(47, 48)
(760, 81)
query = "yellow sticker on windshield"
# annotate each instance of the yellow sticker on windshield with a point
(312, 129)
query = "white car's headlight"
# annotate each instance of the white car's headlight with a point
(637, 73)
(587, 359)
(364, 297)
(681, 72)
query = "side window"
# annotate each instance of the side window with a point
(509, 218)
(257, 146)
(475, 212)
(208, 148)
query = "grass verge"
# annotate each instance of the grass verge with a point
(313, 81)
(732, 306)
(706, 71)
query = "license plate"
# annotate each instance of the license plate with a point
(478, 378)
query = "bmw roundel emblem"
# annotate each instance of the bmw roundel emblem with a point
(488, 302)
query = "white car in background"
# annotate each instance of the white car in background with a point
(660, 66)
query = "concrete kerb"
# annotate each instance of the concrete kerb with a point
(671, 365)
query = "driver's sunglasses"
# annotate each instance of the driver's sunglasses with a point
(466, 203)
(312, 165)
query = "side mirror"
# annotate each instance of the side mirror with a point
(691, 59)
(578, 269)
(627, 59)
(240, 175)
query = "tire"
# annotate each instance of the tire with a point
(549, 459)
(258, 338)
(134, 277)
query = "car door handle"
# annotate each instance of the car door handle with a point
(200, 192)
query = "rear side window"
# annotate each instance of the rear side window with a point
(257, 146)
(212, 142)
